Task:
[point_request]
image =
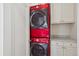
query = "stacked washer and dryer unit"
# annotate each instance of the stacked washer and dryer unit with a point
(40, 30)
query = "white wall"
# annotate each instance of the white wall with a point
(77, 29)
(74, 26)
(21, 21)
(7, 30)
(1, 29)
(16, 41)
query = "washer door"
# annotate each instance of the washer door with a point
(38, 50)
(38, 19)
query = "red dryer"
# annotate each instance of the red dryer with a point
(40, 30)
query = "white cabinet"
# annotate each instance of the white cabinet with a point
(60, 51)
(70, 51)
(63, 48)
(55, 13)
(67, 12)
(57, 50)
(70, 48)
(62, 13)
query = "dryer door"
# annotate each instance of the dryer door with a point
(39, 19)
(38, 49)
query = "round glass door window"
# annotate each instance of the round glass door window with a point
(37, 50)
(38, 19)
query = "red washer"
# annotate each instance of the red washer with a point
(40, 29)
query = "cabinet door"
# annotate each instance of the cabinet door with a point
(70, 48)
(57, 51)
(57, 47)
(53, 51)
(55, 12)
(70, 51)
(60, 51)
(62, 13)
(67, 12)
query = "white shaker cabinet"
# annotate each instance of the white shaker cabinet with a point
(63, 47)
(55, 13)
(61, 50)
(57, 50)
(62, 13)
(70, 51)
(70, 48)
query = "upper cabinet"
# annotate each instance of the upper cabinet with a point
(62, 13)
